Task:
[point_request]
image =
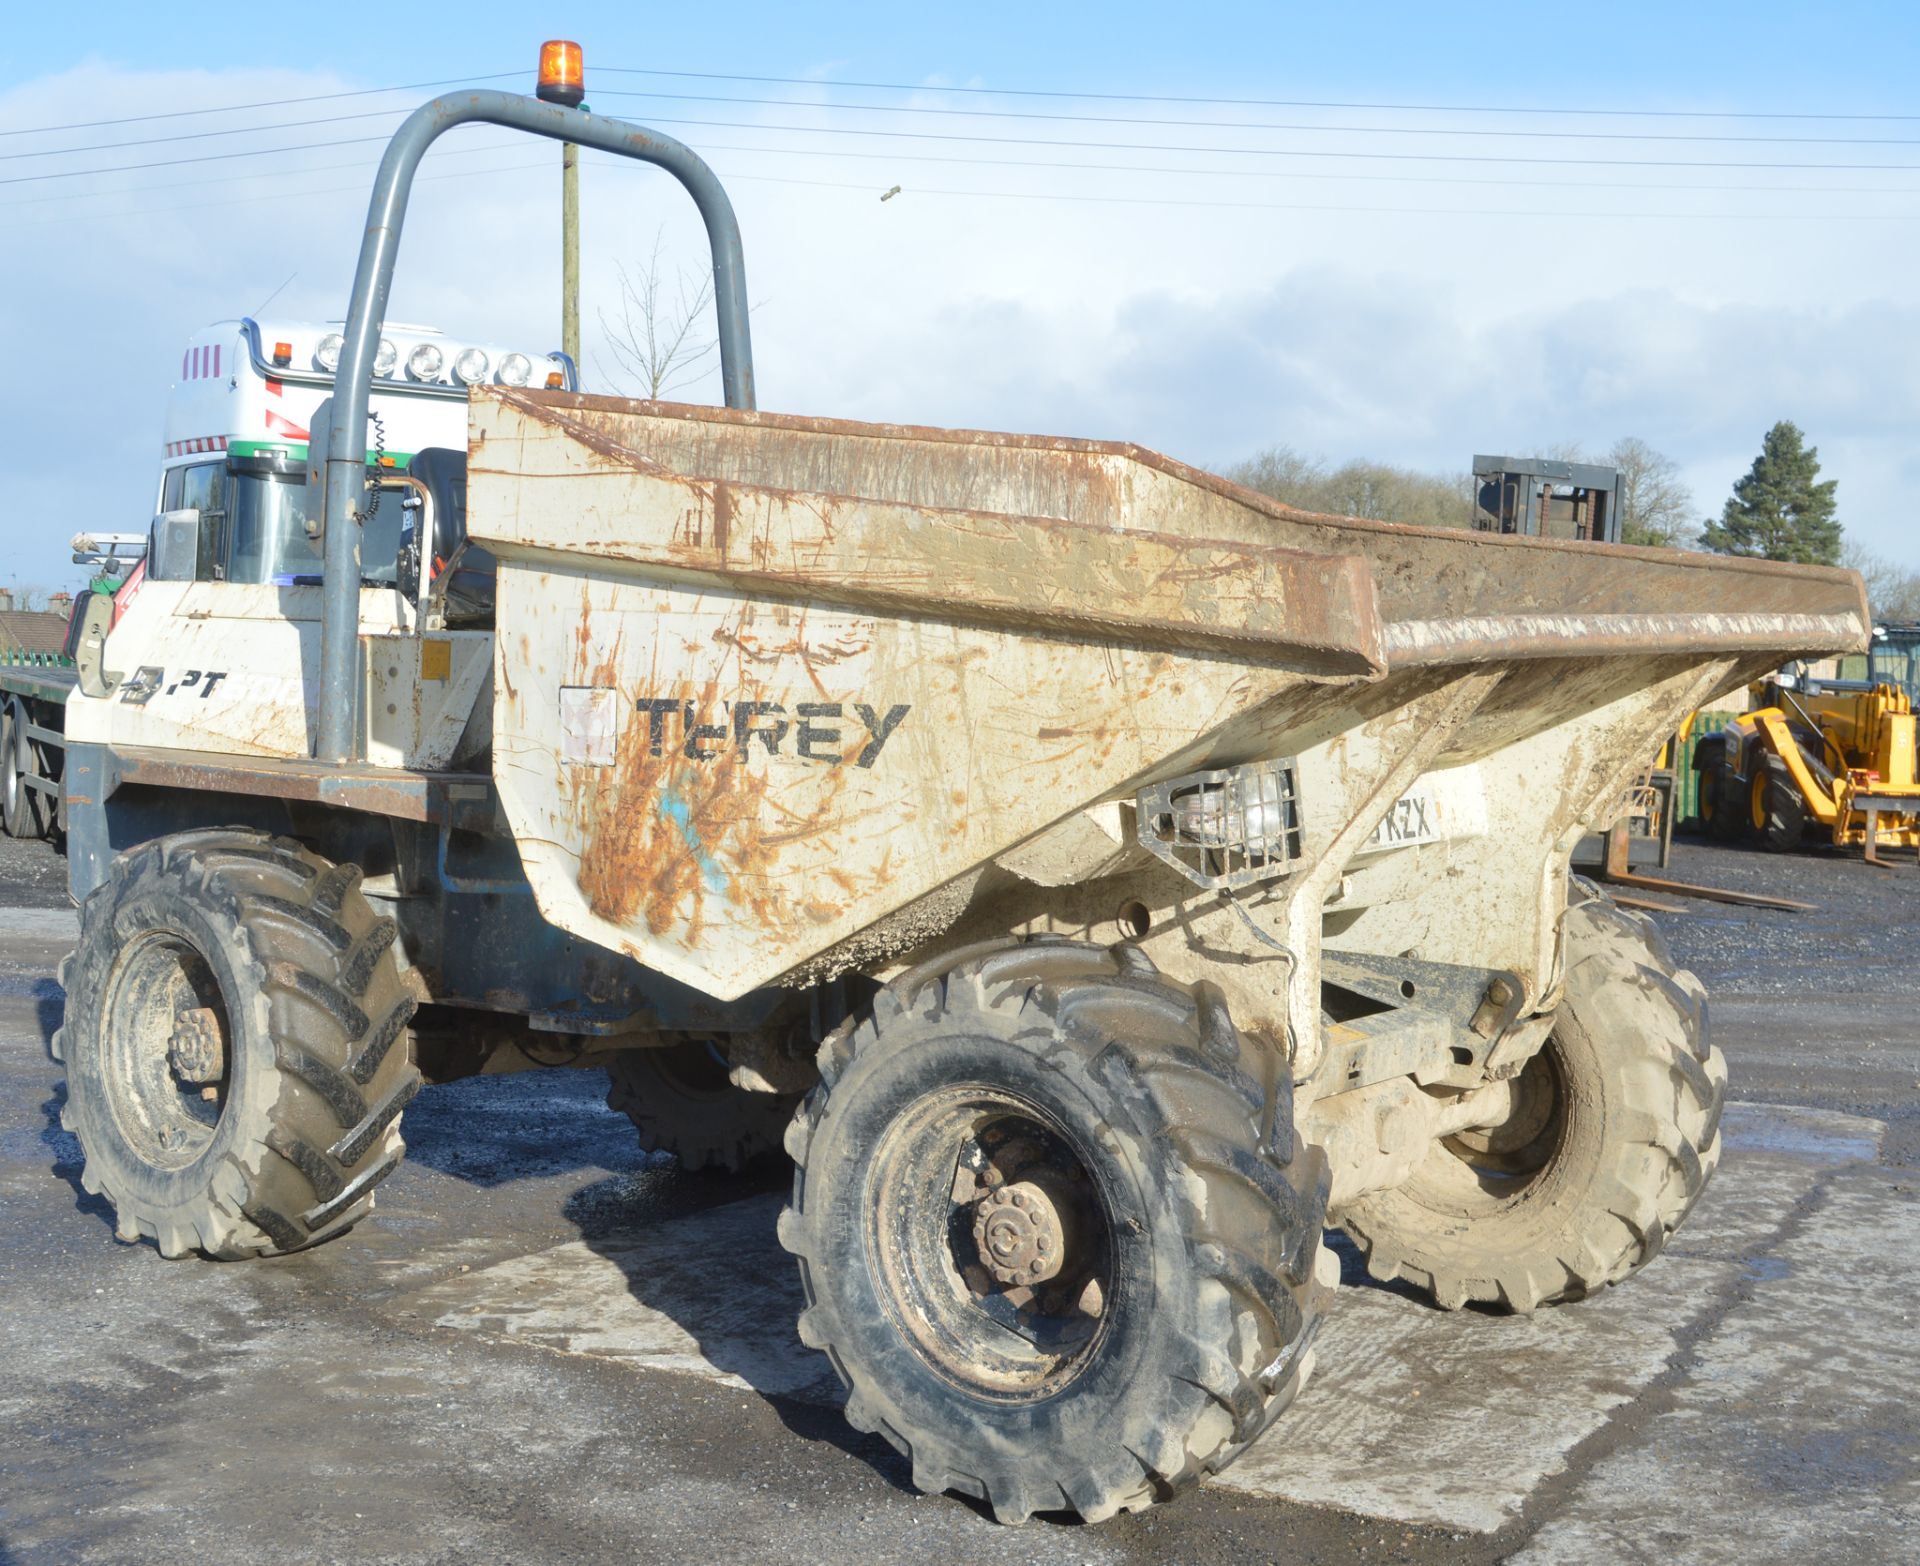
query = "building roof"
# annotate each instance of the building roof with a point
(32, 631)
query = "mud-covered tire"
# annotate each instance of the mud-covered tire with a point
(1784, 808)
(681, 1101)
(1212, 1233)
(1630, 1142)
(283, 1148)
(1722, 805)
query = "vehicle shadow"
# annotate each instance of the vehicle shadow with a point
(489, 1131)
(714, 1293)
(64, 1150)
(715, 1289)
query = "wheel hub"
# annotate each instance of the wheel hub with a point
(197, 1051)
(1019, 1234)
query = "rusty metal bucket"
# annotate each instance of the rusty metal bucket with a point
(769, 689)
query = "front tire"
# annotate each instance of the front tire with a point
(1722, 805)
(1781, 807)
(236, 1045)
(1613, 1136)
(1042, 1238)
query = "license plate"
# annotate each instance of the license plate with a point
(1413, 818)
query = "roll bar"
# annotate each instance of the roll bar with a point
(346, 453)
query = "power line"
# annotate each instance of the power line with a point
(1295, 206)
(1017, 163)
(210, 157)
(1260, 103)
(254, 199)
(279, 125)
(1049, 165)
(1287, 152)
(232, 130)
(148, 187)
(1033, 141)
(1051, 197)
(1343, 155)
(1267, 125)
(1342, 176)
(265, 103)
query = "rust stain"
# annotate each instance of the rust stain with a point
(722, 519)
(663, 836)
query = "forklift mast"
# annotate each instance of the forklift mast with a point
(1543, 498)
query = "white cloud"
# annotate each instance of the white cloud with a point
(1205, 330)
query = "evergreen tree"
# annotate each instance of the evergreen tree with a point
(1782, 509)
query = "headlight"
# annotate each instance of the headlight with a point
(423, 364)
(516, 369)
(384, 358)
(327, 355)
(470, 367)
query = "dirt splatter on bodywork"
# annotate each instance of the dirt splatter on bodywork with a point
(851, 664)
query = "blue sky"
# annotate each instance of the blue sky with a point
(1384, 282)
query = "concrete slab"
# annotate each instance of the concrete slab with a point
(1414, 1414)
(40, 924)
(711, 1295)
(1793, 1436)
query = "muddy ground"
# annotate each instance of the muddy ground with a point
(547, 1346)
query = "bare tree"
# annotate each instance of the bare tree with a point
(1893, 591)
(1358, 488)
(1281, 473)
(663, 338)
(1655, 507)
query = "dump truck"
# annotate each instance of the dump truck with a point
(1104, 877)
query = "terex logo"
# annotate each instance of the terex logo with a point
(818, 730)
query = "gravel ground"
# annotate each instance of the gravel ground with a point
(1859, 937)
(31, 876)
(1823, 1003)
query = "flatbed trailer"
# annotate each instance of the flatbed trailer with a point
(33, 742)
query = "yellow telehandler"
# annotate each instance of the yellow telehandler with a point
(1836, 757)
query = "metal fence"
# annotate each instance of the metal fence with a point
(1686, 782)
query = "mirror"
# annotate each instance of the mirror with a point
(173, 546)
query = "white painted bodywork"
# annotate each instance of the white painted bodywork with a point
(231, 668)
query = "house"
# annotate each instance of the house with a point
(33, 632)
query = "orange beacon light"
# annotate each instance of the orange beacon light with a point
(563, 73)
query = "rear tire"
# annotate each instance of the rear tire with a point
(1615, 1135)
(1722, 805)
(236, 1045)
(1189, 1280)
(681, 1101)
(27, 811)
